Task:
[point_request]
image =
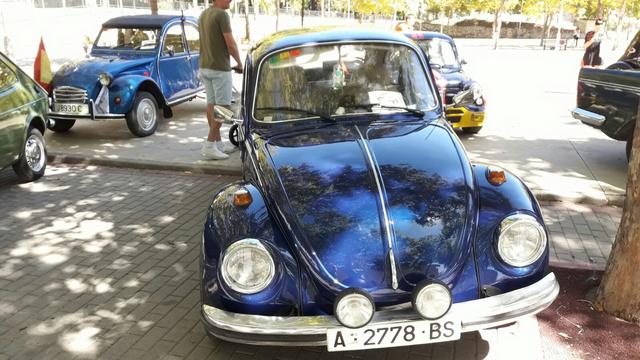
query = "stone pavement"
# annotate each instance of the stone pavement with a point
(102, 263)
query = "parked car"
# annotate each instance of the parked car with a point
(360, 221)
(140, 65)
(23, 118)
(607, 99)
(443, 57)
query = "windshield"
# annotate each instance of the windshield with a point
(440, 53)
(127, 38)
(344, 79)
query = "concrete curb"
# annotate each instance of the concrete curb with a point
(222, 169)
(576, 264)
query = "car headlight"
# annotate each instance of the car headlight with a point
(477, 91)
(431, 300)
(522, 240)
(247, 266)
(354, 308)
(105, 79)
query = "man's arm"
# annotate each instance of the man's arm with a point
(233, 50)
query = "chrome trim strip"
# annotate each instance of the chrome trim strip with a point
(609, 85)
(475, 315)
(383, 204)
(588, 117)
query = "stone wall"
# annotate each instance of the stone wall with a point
(483, 29)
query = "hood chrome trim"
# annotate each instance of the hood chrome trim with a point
(383, 204)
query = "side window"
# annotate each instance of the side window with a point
(173, 40)
(7, 77)
(193, 37)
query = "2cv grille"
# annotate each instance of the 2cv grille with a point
(69, 94)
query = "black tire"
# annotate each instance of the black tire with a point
(233, 135)
(61, 125)
(471, 130)
(33, 160)
(629, 145)
(142, 120)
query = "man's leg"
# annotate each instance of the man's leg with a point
(209, 149)
(214, 125)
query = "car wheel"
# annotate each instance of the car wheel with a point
(629, 145)
(472, 130)
(233, 135)
(61, 125)
(142, 120)
(33, 160)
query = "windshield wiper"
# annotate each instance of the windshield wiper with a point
(413, 111)
(292, 109)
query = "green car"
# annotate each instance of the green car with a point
(23, 119)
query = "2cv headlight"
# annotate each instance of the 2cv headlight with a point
(522, 240)
(247, 266)
(105, 79)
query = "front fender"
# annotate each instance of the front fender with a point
(496, 203)
(226, 224)
(126, 88)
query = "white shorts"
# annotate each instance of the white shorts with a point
(217, 85)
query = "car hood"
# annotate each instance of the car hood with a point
(455, 80)
(84, 73)
(330, 185)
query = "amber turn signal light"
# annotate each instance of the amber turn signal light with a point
(496, 176)
(242, 197)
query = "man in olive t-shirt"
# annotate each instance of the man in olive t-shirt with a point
(216, 44)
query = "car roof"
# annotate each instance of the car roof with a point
(417, 35)
(146, 21)
(297, 37)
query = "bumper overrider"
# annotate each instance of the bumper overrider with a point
(311, 330)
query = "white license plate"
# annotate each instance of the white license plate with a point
(402, 334)
(72, 108)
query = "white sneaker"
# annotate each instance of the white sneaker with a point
(226, 147)
(211, 152)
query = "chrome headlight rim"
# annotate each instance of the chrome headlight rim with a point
(426, 285)
(509, 222)
(105, 79)
(254, 245)
(345, 296)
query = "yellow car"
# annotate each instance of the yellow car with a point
(451, 79)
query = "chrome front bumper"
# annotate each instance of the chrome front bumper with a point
(588, 117)
(92, 115)
(311, 330)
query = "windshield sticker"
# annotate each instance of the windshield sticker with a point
(386, 98)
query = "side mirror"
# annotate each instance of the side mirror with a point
(225, 114)
(463, 62)
(170, 50)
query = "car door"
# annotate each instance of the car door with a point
(13, 112)
(175, 68)
(193, 43)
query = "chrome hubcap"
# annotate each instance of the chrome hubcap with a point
(146, 114)
(34, 153)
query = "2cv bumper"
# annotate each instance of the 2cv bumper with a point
(311, 330)
(92, 115)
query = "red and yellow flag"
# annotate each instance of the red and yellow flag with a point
(42, 68)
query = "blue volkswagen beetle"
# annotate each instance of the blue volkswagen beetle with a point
(139, 65)
(360, 221)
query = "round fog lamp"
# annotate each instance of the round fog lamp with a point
(354, 308)
(431, 300)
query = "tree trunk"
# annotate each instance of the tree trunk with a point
(154, 7)
(619, 291)
(247, 27)
(277, 13)
(497, 25)
(621, 14)
(547, 17)
(302, 14)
